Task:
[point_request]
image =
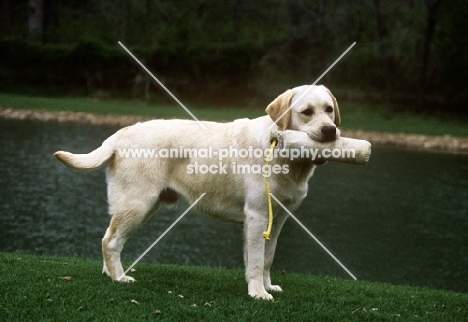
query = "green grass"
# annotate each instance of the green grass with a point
(355, 115)
(35, 288)
(121, 107)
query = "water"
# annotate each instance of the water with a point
(401, 219)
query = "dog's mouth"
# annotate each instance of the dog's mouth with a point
(327, 133)
(327, 139)
(323, 138)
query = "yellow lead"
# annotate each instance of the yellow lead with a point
(266, 234)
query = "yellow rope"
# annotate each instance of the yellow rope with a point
(266, 234)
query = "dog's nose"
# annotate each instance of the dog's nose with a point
(329, 133)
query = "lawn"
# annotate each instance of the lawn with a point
(42, 288)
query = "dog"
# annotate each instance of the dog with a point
(138, 186)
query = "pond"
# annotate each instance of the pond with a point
(400, 219)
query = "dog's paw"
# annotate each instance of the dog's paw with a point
(257, 291)
(261, 296)
(126, 279)
(274, 288)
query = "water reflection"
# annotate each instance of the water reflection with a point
(402, 218)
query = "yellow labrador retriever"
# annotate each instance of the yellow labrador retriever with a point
(139, 183)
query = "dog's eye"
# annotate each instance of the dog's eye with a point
(307, 112)
(329, 109)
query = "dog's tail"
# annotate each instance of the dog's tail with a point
(91, 161)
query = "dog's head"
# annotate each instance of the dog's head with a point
(310, 109)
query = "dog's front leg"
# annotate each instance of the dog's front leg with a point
(270, 247)
(254, 249)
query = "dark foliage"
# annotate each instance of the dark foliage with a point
(408, 54)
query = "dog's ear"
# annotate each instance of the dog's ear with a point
(276, 108)
(335, 108)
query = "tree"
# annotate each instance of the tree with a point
(51, 11)
(433, 7)
(5, 20)
(36, 21)
(382, 35)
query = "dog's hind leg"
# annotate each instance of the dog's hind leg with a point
(105, 270)
(129, 214)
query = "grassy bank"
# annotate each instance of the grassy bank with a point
(40, 288)
(355, 115)
(120, 107)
